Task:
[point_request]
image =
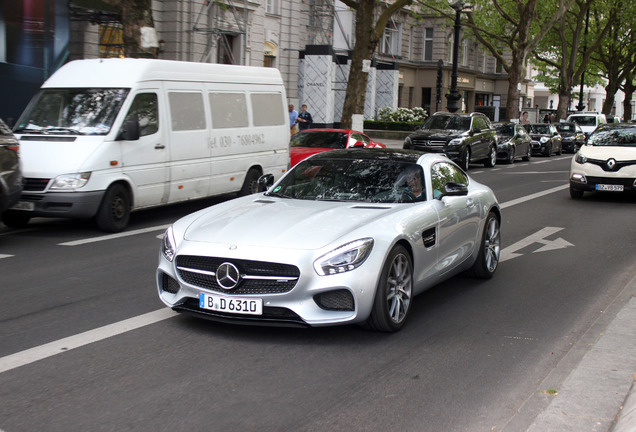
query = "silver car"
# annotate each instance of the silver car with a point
(347, 236)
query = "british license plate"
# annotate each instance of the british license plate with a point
(24, 206)
(235, 305)
(609, 187)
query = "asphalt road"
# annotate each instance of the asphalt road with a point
(83, 348)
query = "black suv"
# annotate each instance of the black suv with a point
(464, 138)
(10, 174)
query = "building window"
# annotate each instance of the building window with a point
(391, 39)
(464, 53)
(272, 7)
(483, 62)
(111, 41)
(428, 44)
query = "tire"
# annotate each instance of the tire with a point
(492, 158)
(548, 151)
(393, 294)
(511, 156)
(250, 185)
(489, 249)
(560, 152)
(15, 219)
(114, 211)
(464, 159)
(528, 155)
(576, 193)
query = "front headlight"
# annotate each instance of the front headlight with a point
(168, 248)
(544, 140)
(455, 142)
(580, 159)
(70, 181)
(345, 258)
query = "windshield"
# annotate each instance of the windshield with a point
(333, 140)
(72, 110)
(584, 120)
(505, 130)
(447, 122)
(622, 137)
(363, 180)
(538, 129)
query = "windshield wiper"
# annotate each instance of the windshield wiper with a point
(27, 130)
(62, 129)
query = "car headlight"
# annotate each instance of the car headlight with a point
(70, 181)
(345, 258)
(544, 140)
(168, 248)
(455, 142)
(505, 144)
(579, 158)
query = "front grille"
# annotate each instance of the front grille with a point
(35, 184)
(627, 182)
(337, 300)
(256, 277)
(271, 315)
(421, 142)
(616, 167)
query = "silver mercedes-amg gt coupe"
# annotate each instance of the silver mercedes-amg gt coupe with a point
(347, 236)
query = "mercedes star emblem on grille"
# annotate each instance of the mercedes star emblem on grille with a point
(227, 275)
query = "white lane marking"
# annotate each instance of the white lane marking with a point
(113, 236)
(53, 348)
(57, 347)
(533, 196)
(5, 256)
(539, 237)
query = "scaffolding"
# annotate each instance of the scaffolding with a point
(221, 32)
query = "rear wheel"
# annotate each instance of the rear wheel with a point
(393, 294)
(492, 157)
(528, 155)
(250, 185)
(488, 258)
(114, 211)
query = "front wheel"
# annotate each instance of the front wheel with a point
(393, 294)
(511, 156)
(548, 150)
(114, 211)
(488, 258)
(576, 193)
(528, 155)
(250, 185)
(464, 159)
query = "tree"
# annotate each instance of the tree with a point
(368, 33)
(140, 36)
(516, 27)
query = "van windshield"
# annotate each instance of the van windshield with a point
(77, 111)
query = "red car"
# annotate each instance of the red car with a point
(312, 141)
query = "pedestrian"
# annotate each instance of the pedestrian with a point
(304, 118)
(546, 118)
(524, 118)
(293, 117)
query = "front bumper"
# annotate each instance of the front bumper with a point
(62, 204)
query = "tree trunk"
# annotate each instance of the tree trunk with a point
(564, 104)
(515, 76)
(629, 89)
(140, 37)
(610, 92)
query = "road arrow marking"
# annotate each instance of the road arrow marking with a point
(539, 237)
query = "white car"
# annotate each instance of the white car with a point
(607, 162)
(346, 236)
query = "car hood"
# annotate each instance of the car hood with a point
(283, 223)
(436, 134)
(605, 152)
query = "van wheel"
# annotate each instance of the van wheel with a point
(250, 185)
(15, 219)
(114, 211)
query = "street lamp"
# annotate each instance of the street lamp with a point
(453, 97)
(580, 106)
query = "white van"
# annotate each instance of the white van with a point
(106, 137)
(588, 121)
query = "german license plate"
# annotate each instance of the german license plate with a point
(24, 206)
(235, 305)
(609, 187)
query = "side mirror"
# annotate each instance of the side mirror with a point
(130, 131)
(454, 189)
(265, 182)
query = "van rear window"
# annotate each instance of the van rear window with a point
(186, 111)
(266, 107)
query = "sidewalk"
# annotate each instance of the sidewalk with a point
(600, 393)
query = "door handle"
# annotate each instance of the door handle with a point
(160, 147)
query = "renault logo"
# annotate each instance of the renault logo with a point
(227, 275)
(611, 163)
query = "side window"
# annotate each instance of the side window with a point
(144, 110)
(229, 110)
(268, 109)
(186, 111)
(444, 172)
(359, 137)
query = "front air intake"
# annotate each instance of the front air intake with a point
(337, 300)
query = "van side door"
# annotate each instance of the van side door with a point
(144, 159)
